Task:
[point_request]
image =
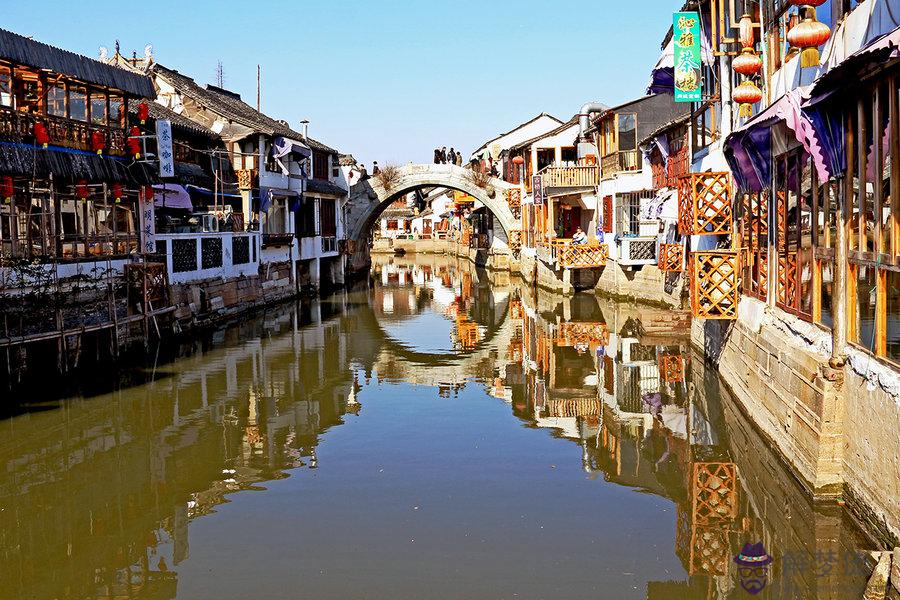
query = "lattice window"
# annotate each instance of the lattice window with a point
(671, 258)
(788, 280)
(714, 284)
(704, 204)
(671, 368)
(211, 252)
(581, 255)
(240, 250)
(184, 256)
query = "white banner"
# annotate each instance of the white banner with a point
(148, 224)
(164, 147)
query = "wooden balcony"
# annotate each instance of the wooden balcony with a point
(704, 204)
(570, 177)
(247, 178)
(671, 258)
(66, 133)
(515, 239)
(566, 255)
(514, 199)
(626, 161)
(715, 278)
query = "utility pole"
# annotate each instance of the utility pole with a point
(258, 109)
(220, 74)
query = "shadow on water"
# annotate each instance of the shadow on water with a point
(445, 431)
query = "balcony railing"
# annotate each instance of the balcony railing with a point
(619, 162)
(566, 255)
(61, 131)
(247, 178)
(575, 176)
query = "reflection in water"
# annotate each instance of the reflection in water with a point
(224, 476)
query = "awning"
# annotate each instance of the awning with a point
(171, 195)
(284, 146)
(748, 149)
(266, 195)
(882, 49)
(662, 77)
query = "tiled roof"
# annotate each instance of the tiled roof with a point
(229, 105)
(25, 51)
(159, 112)
(551, 133)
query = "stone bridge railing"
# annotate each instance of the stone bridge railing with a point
(369, 198)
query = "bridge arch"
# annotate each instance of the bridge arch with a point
(368, 199)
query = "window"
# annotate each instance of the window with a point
(305, 218)
(78, 107)
(6, 97)
(56, 100)
(703, 125)
(608, 137)
(627, 132)
(116, 110)
(320, 165)
(98, 108)
(276, 217)
(794, 182)
(329, 217)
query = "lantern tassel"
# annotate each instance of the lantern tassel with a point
(809, 57)
(746, 110)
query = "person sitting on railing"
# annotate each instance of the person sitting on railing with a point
(580, 237)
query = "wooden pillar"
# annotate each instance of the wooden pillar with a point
(840, 299)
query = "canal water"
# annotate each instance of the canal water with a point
(440, 433)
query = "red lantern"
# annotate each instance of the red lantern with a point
(747, 94)
(134, 143)
(98, 141)
(40, 134)
(148, 193)
(6, 188)
(143, 112)
(82, 191)
(745, 31)
(748, 63)
(117, 192)
(808, 35)
(518, 160)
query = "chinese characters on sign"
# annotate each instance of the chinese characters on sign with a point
(148, 223)
(164, 144)
(537, 187)
(688, 78)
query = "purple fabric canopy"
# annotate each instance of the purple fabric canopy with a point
(170, 195)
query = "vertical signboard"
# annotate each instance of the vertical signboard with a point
(537, 190)
(148, 221)
(164, 147)
(686, 40)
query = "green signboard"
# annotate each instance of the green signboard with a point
(688, 78)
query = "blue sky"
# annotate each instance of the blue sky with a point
(386, 80)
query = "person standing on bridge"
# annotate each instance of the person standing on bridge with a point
(451, 158)
(437, 156)
(363, 174)
(375, 169)
(459, 159)
(444, 155)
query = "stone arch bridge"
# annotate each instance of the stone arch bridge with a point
(368, 199)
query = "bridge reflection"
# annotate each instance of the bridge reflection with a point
(97, 497)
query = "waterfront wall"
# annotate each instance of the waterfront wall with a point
(837, 429)
(646, 283)
(212, 299)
